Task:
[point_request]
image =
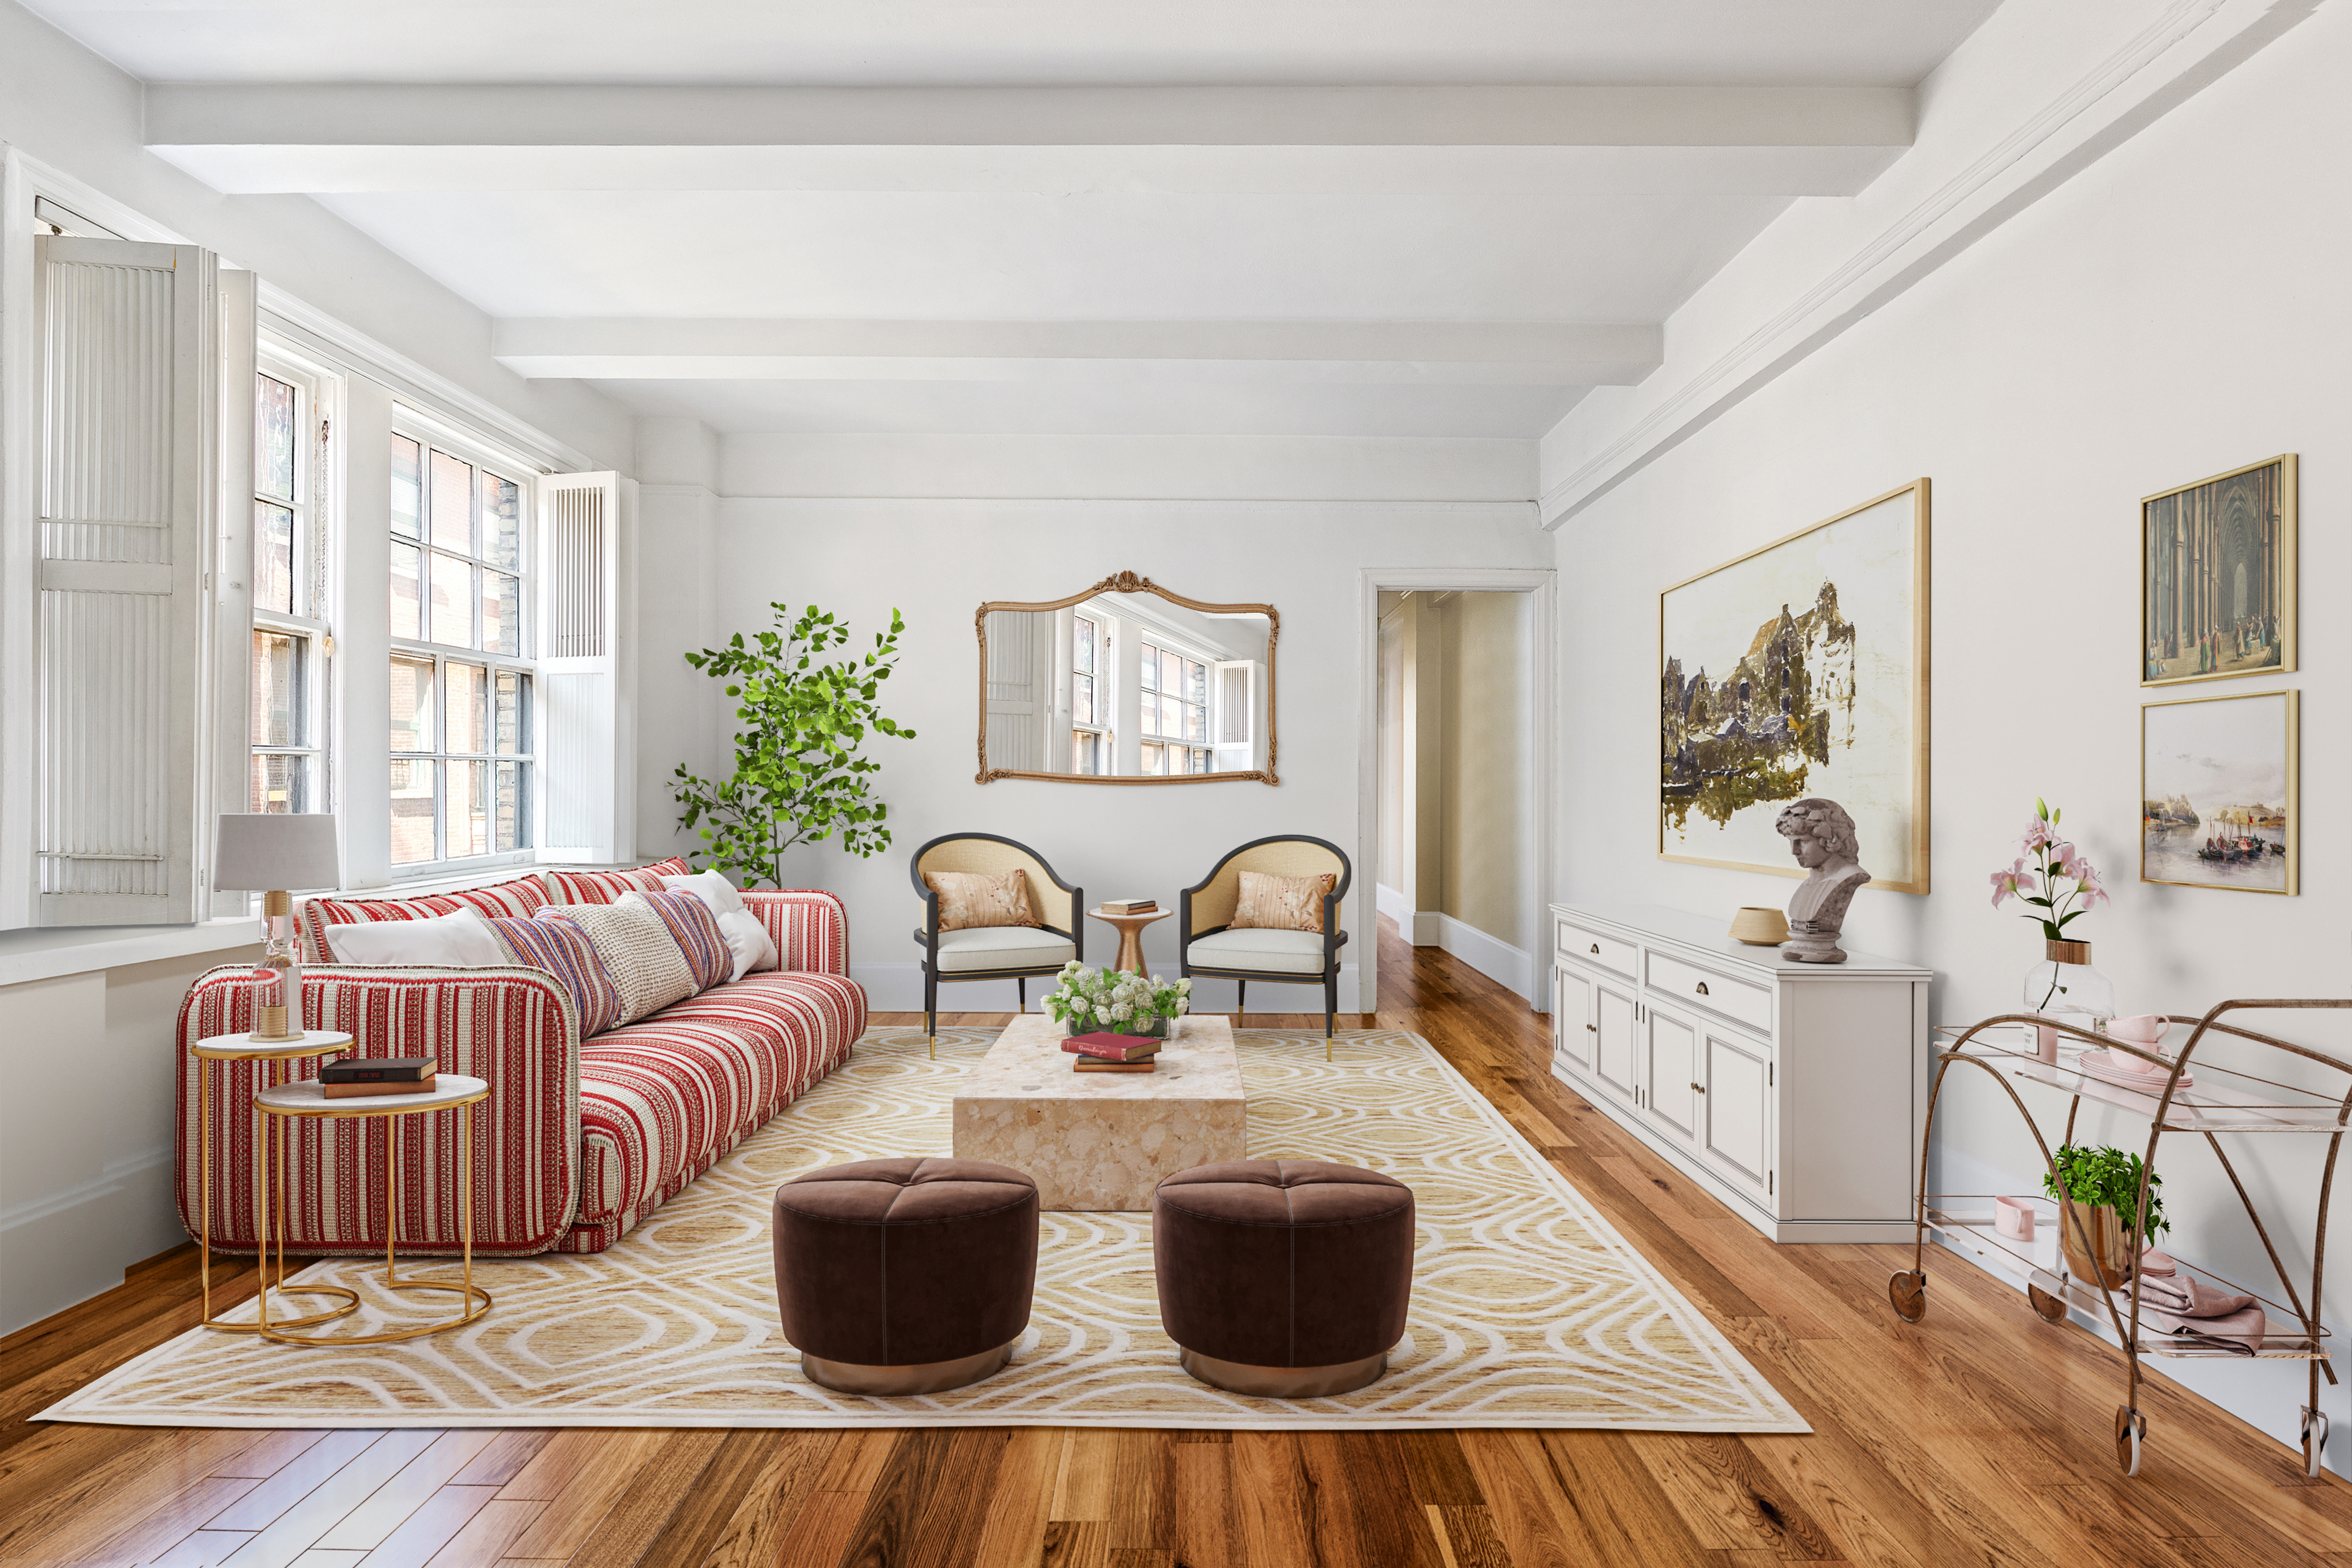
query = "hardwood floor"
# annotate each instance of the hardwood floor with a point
(1980, 1437)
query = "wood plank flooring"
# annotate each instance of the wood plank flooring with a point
(1980, 1437)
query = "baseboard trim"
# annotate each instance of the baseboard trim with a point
(1490, 955)
(1394, 905)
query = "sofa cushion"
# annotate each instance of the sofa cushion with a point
(637, 951)
(1003, 947)
(604, 887)
(695, 931)
(458, 940)
(662, 1099)
(1260, 950)
(563, 951)
(513, 899)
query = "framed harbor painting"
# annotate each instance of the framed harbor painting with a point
(2220, 799)
(1800, 669)
(2217, 576)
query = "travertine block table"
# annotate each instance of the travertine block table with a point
(1102, 1140)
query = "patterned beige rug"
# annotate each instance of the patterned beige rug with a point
(1528, 1308)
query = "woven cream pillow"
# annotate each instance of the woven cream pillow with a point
(636, 950)
(969, 898)
(1269, 902)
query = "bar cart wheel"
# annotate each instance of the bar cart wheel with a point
(2050, 1308)
(1907, 1289)
(2314, 1440)
(2131, 1431)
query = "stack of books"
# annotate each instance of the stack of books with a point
(1130, 906)
(1111, 1053)
(348, 1077)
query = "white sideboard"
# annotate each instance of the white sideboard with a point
(1793, 1092)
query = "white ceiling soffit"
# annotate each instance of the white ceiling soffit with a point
(937, 42)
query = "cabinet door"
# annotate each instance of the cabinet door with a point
(1574, 1027)
(1670, 1084)
(1613, 1043)
(1736, 1119)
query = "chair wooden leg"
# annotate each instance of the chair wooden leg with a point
(931, 1010)
(1021, 990)
(1331, 1010)
(1241, 1006)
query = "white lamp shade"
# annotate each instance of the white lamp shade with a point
(275, 852)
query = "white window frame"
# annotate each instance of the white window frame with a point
(316, 537)
(1105, 676)
(1152, 639)
(432, 434)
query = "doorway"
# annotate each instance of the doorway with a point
(1459, 845)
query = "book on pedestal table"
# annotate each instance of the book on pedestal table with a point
(1130, 906)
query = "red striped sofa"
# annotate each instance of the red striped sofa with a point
(579, 1140)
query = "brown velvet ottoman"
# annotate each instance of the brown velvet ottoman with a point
(900, 1276)
(1283, 1277)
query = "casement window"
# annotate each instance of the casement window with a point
(1090, 706)
(462, 666)
(1174, 722)
(292, 641)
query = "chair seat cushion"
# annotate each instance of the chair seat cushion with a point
(1260, 949)
(1003, 947)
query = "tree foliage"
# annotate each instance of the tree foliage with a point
(799, 777)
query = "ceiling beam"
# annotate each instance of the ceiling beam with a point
(1528, 354)
(340, 114)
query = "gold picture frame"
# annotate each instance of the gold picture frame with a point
(2187, 622)
(2170, 839)
(1679, 779)
(1131, 583)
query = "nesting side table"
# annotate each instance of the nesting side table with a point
(245, 1048)
(451, 1092)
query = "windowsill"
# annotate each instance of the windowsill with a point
(51, 952)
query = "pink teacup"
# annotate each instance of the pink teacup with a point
(2013, 1217)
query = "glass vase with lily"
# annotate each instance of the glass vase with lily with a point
(2052, 877)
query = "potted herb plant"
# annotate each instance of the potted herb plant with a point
(2102, 1187)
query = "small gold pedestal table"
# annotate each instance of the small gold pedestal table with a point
(1130, 936)
(248, 1049)
(450, 1092)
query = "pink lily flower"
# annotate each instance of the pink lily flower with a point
(2016, 879)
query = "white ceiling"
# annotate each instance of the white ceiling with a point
(970, 175)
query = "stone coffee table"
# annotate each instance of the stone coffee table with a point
(1102, 1140)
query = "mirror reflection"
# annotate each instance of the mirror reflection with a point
(1126, 686)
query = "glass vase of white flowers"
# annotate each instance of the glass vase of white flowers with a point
(1112, 1001)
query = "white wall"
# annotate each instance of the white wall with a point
(937, 559)
(2176, 311)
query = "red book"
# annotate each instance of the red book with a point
(1097, 1064)
(1113, 1047)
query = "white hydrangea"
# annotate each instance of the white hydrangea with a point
(1120, 1011)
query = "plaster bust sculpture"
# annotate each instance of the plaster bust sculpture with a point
(1821, 837)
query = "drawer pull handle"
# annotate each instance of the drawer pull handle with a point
(1699, 1087)
(1596, 947)
(1701, 987)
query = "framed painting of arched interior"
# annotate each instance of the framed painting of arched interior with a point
(1126, 682)
(2217, 576)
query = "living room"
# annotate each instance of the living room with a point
(1866, 417)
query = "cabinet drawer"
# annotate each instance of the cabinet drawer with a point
(1593, 948)
(1750, 1003)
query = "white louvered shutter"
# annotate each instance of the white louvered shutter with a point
(586, 728)
(1234, 735)
(129, 386)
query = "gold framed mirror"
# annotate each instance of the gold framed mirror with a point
(1127, 683)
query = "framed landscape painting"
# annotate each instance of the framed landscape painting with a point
(2217, 576)
(1801, 669)
(2220, 799)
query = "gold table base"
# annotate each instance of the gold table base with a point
(276, 1068)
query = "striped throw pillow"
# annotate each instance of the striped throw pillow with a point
(604, 887)
(637, 951)
(565, 952)
(695, 931)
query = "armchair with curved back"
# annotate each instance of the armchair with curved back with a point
(1207, 944)
(993, 953)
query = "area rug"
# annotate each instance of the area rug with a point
(1528, 1308)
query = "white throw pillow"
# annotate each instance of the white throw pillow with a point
(712, 888)
(748, 940)
(458, 941)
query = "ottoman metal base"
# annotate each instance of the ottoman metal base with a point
(1283, 1381)
(926, 1377)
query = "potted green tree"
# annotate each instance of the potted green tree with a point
(799, 777)
(2104, 1186)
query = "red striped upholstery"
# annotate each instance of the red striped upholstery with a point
(514, 899)
(604, 887)
(576, 1143)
